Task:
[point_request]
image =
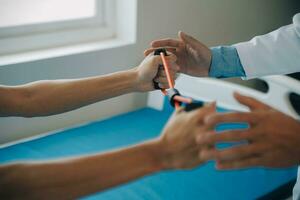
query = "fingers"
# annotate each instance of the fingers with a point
(151, 50)
(166, 43)
(200, 113)
(237, 117)
(242, 163)
(162, 82)
(161, 73)
(250, 102)
(161, 76)
(196, 116)
(163, 85)
(172, 63)
(179, 110)
(171, 59)
(232, 153)
(211, 138)
(186, 38)
(189, 39)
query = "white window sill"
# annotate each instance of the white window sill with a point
(30, 56)
(126, 21)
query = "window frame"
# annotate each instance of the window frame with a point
(62, 33)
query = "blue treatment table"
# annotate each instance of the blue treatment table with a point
(203, 182)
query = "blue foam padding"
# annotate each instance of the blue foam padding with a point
(203, 182)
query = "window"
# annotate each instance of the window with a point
(30, 25)
(20, 12)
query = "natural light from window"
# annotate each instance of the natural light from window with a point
(41, 29)
(27, 12)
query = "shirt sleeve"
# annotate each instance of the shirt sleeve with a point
(225, 63)
(274, 53)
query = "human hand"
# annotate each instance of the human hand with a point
(273, 138)
(193, 57)
(149, 70)
(178, 148)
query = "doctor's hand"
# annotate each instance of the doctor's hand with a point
(149, 70)
(272, 140)
(193, 57)
(178, 147)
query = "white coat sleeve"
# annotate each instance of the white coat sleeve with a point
(275, 53)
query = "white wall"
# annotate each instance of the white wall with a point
(212, 21)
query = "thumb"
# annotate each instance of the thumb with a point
(188, 39)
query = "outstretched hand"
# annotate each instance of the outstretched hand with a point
(179, 149)
(193, 57)
(273, 138)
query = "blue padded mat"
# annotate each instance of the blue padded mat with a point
(203, 182)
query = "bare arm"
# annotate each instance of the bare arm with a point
(72, 178)
(52, 97)
(44, 98)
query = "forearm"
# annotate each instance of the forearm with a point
(44, 98)
(79, 176)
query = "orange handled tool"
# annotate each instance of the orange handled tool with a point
(175, 98)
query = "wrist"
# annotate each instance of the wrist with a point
(139, 84)
(225, 62)
(163, 154)
(133, 76)
(155, 153)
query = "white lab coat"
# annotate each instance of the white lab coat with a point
(277, 52)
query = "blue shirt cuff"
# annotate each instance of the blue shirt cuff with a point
(225, 63)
